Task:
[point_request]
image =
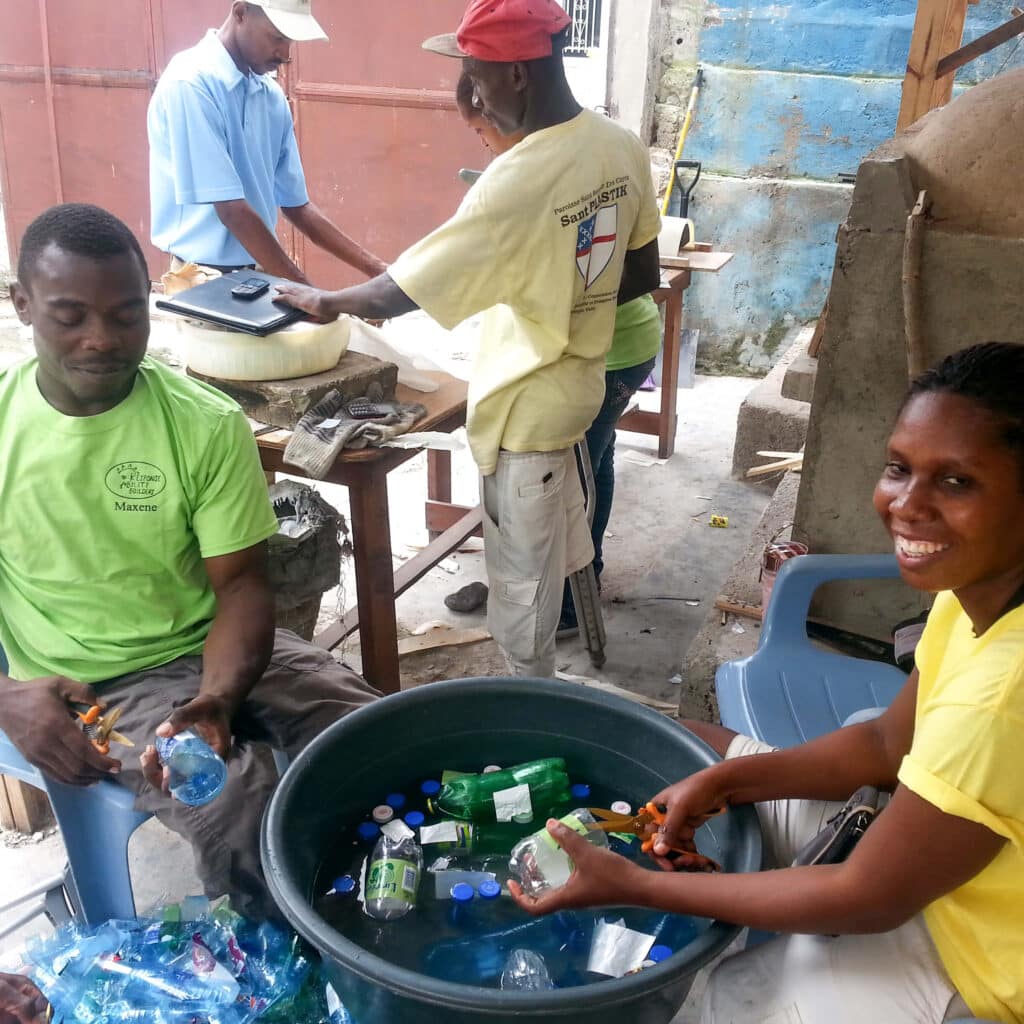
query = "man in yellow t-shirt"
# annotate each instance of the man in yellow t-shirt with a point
(554, 236)
(134, 518)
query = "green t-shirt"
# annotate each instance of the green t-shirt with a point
(105, 521)
(637, 335)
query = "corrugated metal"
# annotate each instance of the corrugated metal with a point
(380, 141)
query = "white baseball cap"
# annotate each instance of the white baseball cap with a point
(293, 19)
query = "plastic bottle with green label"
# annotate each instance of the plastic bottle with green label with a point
(533, 787)
(479, 840)
(393, 878)
(539, 863)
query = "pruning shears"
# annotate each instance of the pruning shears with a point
(639, 824)
(99, 728)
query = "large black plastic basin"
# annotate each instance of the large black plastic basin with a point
(607, 740)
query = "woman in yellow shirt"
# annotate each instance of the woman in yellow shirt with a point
(928, 911)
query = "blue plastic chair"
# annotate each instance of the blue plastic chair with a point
(96, 823)
(790, 691)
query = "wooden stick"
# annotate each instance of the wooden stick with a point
(913, 251)
(777, 467)
(748, 611)
(981, 45)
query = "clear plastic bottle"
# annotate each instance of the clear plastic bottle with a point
(197, 772)
(539, 863)
(526, 971)
(393, 878)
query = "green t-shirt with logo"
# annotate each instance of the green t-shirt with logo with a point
(637, 335)
(105, 521)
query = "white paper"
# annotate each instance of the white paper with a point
(510, 802)
(445, 832)
(330, 424)
(616, 950)
(397, 830)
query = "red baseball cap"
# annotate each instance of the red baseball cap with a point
(503, 31)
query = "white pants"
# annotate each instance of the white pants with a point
(535, 534)
(892, 978)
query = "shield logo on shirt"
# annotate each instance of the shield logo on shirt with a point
(595, 243)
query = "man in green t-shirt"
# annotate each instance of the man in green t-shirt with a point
(134, 518)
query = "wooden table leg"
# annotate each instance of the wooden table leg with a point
(375, 581)
(667, 421)
(439, 479)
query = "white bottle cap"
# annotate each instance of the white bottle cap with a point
(383, 814)
(492, 768)
(621, 807)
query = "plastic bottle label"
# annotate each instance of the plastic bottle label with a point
(393, 878)
(512, 801)
(572, 821)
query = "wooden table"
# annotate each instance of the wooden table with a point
(365, 474)
(676, 274)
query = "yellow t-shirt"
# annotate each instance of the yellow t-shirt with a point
(539, 242)
(966, 760)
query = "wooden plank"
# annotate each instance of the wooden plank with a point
(819, 333)
(440, 515)
(23, 808)
(748, 611)
(441, 638)
(982, 45)
(938, 31)
(703, 262)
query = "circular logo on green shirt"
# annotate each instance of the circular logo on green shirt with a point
(135, 480)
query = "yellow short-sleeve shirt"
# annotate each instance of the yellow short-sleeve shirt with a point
(539, 243)
(966, 760)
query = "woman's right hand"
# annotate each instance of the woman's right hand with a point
(688, 804)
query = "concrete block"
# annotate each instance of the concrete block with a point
(282, 403)
(715, 643)
(783, 234)
(767, 421)
(884, 194)
(798, 381)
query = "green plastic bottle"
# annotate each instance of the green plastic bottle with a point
(485, 799)
(484, 840)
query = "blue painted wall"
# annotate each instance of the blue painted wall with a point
(796, 91)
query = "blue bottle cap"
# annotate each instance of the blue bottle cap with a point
(414, 819)
(395, 800)
(659, 953)
(430, 788)
(344, 885)
(462, 892)
(368, 831)
(489, 890)
(581, 791)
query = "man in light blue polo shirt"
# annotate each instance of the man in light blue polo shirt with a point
(223, 155)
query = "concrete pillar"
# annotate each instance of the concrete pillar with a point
(632, 64)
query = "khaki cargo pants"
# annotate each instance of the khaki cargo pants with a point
(302, 692)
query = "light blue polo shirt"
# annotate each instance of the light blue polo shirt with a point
(217, 134)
